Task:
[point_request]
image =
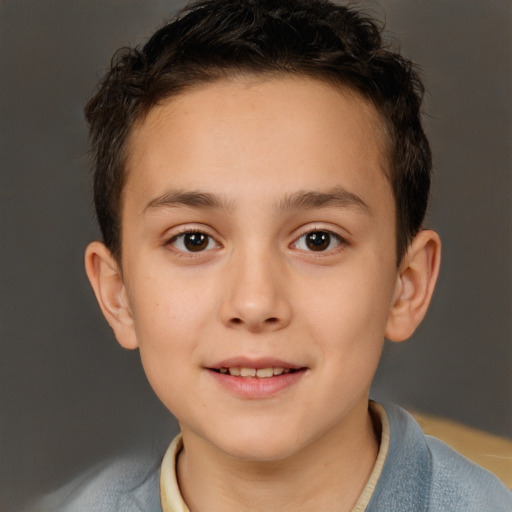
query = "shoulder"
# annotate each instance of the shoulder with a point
(130, 484)
(423, 473)
(458, 482)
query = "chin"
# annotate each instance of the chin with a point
(261, 452)
(259, 444)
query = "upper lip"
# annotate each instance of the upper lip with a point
(254, 362)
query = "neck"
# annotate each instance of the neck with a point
(331, 470)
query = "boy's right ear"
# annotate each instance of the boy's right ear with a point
(107, 282)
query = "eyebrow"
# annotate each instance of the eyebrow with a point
(337, 197)
(190, 198)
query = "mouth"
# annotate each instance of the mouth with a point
(257, 373)
(256, 379)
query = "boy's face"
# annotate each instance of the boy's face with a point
(259, 232)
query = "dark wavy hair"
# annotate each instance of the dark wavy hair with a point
(214, 39)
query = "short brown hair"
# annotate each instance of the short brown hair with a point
(214, 39)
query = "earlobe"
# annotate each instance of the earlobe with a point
(107, 282)
(416, 280)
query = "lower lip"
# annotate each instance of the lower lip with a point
(255, 388)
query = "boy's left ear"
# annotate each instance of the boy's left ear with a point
(416, 279)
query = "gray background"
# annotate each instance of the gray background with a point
(69, 395)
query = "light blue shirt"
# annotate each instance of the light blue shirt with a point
(420, 474)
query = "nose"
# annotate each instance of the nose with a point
(255, 297)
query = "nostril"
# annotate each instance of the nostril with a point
(272, 320)
(236, 321)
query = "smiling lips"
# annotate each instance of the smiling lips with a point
(256, 380)
(261, 373)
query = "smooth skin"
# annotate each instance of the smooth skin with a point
(230, 187)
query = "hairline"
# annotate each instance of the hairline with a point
(228, 74)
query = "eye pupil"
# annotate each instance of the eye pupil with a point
(318, 240)
(195, 242)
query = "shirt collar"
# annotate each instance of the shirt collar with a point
(172, 500)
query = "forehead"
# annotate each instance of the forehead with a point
(289, 131)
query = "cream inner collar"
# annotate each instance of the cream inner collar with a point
(170, 494)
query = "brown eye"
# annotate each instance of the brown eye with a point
(318, 241)
(193, 242)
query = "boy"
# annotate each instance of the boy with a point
(261, 179)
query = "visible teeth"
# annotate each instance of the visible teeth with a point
(264, 372)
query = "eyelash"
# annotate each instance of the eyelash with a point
(332, 237)
(180, 237)
(327, 236)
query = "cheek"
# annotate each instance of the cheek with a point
(348, 322)
(353, 301)
(167, 305)
(169, 315)
(168, 335)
